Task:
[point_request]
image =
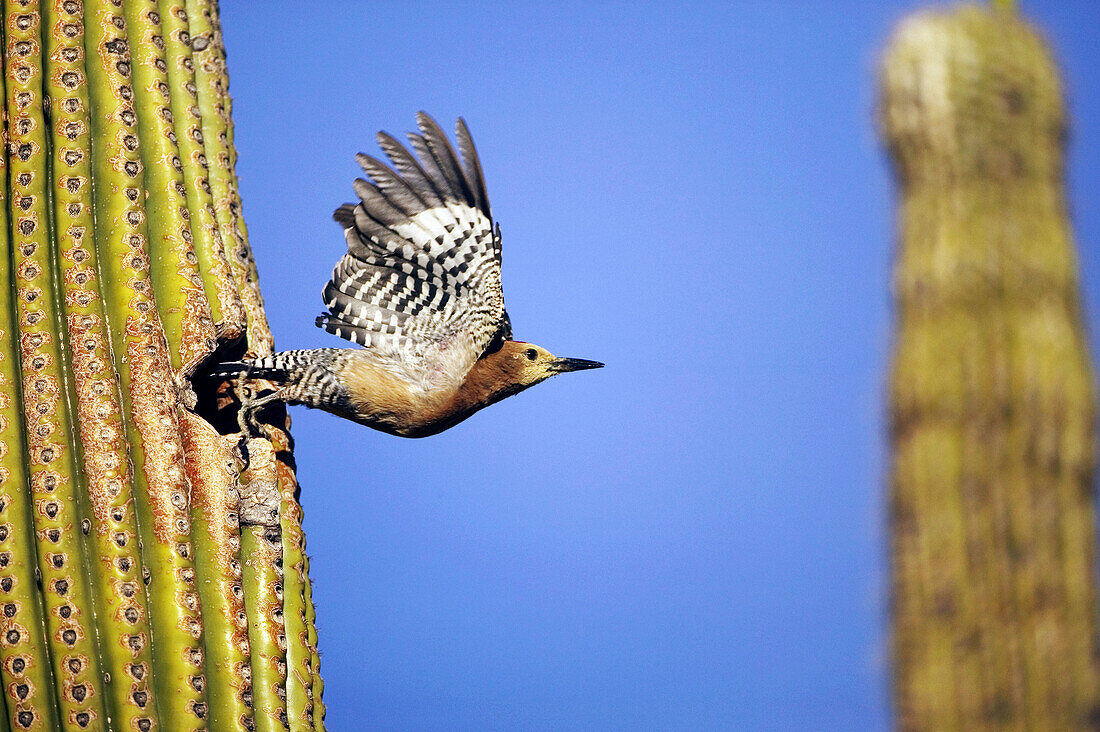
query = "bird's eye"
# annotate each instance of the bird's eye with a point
(532, 354)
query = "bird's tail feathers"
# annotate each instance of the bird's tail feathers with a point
(248, 369)
(277, 367)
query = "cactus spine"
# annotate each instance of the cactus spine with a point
(992, 391)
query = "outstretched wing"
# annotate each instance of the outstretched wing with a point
(422, 270)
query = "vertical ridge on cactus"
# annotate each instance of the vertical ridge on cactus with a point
(56, 482)
(25, 658)
(211, 470)
(264, 570)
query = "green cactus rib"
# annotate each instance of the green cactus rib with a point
(212, 83)
(315, 653)
(992, 390)
(179, 291)
(300, 653)
(218, 41)
(262, 582)
(145, 370)
(55, 481)
(263, 603)
(225, 109)
(212, 473)
(24, 653)
(25, 673)
(221, 290)
(121, 606)
(262, 576)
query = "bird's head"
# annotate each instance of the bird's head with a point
(529, 364)
(507, 368)
(516, 366)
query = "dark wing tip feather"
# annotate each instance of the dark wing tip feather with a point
(410, 170)
(378, 205)
(422, 180)
(471, 166)
(345, 215)
(440, 148)
(432, 170)
(391, 185)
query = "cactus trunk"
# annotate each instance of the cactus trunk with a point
(992, 390)
(124, 598)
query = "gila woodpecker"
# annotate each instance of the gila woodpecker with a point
(419, 289)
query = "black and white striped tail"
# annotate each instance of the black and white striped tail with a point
(308, 374)
(276, 367)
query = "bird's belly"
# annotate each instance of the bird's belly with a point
(393, 406)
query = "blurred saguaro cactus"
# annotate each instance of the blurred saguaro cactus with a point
(992, 390)
(138, 590)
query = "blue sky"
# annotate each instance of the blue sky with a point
(692, 537)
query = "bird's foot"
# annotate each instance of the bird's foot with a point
(250, 425)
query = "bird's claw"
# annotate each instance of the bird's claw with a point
(242, 449)
(250, 426)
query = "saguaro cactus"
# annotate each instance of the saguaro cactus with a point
(126, 596)
(992, 391)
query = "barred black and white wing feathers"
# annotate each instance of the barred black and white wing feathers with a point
(422, 273)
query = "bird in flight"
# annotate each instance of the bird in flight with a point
(419, 290)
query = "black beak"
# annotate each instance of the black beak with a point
(562, 365)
